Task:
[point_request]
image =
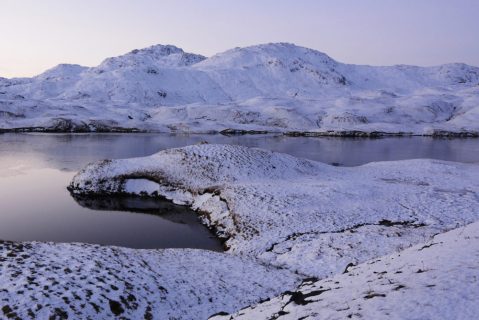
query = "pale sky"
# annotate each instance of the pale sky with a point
(38, 34)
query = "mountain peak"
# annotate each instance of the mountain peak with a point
(63, 70)
(280, 53)
(158, 49)
(156, 56)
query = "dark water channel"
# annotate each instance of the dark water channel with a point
(36, 168)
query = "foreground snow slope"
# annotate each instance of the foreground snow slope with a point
(435, 280)
(80, 281)
(305, 216)
(285, 220)
(274, 87)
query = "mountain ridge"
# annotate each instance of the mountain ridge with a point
(277, 87)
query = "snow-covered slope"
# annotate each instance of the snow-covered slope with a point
(305, 216)
(81, 281)
(273, 87)
(434, 280)
(286, 220)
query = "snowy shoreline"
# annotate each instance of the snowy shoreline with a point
(286, 221)
(86, 281)
(277, 208)
(233, 132)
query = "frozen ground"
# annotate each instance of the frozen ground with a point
(435, 280)
(276, 87)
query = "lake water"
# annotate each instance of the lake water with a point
(36, 168)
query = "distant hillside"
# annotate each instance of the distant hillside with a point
(271, 87)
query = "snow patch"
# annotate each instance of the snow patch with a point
(141, 186)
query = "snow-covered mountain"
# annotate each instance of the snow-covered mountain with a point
(271, 87)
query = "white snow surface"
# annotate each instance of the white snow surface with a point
(305, 216)
(277, 87)
(82, 281)
(288, 223)
(435, 280)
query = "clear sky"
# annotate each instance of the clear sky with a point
(38, 34)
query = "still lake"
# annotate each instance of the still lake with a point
(35, 170)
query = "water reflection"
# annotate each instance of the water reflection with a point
(72, 151)
(154, 206)
(35, 205)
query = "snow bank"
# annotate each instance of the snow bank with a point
(276, 87)
(305, 216)
(434, 280)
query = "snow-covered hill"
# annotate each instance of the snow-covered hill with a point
(433, 280)
(271, 87)
(306, 216)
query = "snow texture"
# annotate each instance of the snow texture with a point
(81, 281)
(276, 87)
(435, 280)
(285, 220)
(305, 216)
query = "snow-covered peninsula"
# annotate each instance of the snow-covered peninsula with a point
(275, 87)
(293, 213)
